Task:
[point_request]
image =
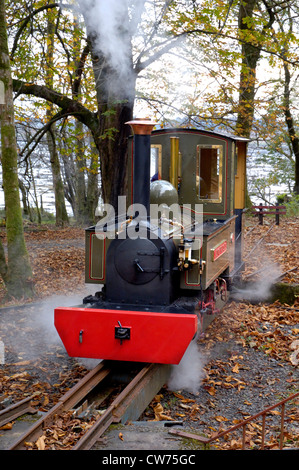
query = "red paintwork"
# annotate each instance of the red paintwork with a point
(155, 337)
(220, 250)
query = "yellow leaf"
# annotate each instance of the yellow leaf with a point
(121, 437)
(235, 369)
(158, 398)
(28, 444)
(40, 443)
(220, 419)
(159, 415)
(158, 408)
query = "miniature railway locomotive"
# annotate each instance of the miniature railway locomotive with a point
(167, 260)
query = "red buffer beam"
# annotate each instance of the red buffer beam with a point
(121, 335)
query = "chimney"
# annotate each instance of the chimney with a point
(142, 129)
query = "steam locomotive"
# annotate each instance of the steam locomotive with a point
(167, 259)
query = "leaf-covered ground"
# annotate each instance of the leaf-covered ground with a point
(57, 260)
(246, 361)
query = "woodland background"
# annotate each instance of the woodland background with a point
(72, 73)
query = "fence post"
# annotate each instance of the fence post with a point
(277, 214)
(261, 214)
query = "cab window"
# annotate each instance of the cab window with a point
(156, 162)
(209, 170)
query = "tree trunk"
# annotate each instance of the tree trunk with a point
(3, 265)
(60, 208)
(114, 152)
(293, 136)
(92, 190)
(115, 99)
(18, 278)
(80, 164)
(26, 208)
(251, 55)
(250, 59)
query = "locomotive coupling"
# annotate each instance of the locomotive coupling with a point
(122, 333)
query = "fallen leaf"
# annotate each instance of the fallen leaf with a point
(158, 398)
(121, 437)
(46, 401)
(22, 363)
(40, 443)
(211, 391)
(178, 395)
(7, 426)
(294, 357)
(186, 407)
(159, 415)
(220, 419)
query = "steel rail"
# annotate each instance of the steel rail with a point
(67, 402)
(120, 408)
(16, 410)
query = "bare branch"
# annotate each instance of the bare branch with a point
(68, 106)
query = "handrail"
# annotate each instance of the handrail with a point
(263, 413)
(207, 440)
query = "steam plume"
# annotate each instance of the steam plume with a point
(188, 374)
(112, 24)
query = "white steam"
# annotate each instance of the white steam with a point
(188, 374)
(112, 25)
(260, 289)
(44, 320)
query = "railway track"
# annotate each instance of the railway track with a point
(95, 387)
